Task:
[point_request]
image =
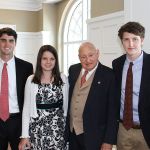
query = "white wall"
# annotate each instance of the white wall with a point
(138, 10)
(102, 31)
(29, 43)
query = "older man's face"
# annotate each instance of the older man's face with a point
(88, 57)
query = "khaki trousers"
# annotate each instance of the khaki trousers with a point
(131, 139)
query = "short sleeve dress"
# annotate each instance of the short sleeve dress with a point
(47, 130)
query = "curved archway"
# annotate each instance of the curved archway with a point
(72, 32)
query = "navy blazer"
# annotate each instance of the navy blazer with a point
(100, 112)
(23, 70)
(144, 94)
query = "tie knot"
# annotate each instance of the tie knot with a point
(131, 63)
(83, 78)
(85, 72)
(130, 66)
(5, 64)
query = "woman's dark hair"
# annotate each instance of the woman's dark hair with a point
(55, 72)
(132, 27)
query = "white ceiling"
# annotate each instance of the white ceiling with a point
(31, 5)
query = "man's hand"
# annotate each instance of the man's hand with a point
(106, 146)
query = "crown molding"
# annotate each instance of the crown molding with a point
(51, 1)
(29, 5)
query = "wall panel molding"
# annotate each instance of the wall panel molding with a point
(28, 45)
(30, 5)
(103, 32)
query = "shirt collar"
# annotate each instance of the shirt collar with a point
(12, 60)
(91, 71)
(137, 60)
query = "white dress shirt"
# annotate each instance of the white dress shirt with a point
(137, 73)
(89, 72)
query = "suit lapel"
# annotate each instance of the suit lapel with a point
(18, 77)
(145, 76)
(120, 70)
(96, 80)
(76, 74)
(73, 76)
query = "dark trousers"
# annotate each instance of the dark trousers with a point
(76, 141)
(10, 131)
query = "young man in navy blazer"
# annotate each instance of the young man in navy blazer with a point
(18, 71)
(137, 137)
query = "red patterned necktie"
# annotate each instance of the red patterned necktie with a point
(83, 78)
(4, 106)
(128, 110)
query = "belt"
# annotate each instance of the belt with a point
(11, 115)
(134, 126)
(49, 106)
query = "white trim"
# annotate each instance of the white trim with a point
(51, 1)
(138, 11)
(60, 34)
(61, 30)
(106, 17)
(31, 34)
(43, 36)
(28, 44)
(128, 5)
(102, 32)
(30, 5)
(8, 25)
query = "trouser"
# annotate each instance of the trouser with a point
(10, 131)
(76, 141)
(131, 139)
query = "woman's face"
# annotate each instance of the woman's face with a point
(48, 61)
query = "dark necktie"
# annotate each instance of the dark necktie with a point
(128, 111)
(4, 106)
(83, 78)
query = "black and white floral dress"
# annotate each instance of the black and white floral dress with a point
(47, 131)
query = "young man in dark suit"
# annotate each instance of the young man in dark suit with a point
(17, 72)
(134, 112)
(92, 104)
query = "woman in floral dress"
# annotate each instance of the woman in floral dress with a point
(45, 105)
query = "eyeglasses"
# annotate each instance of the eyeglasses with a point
(85, 57)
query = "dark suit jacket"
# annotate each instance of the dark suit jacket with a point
(23, 70)
(144, 95)
(99, 116)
